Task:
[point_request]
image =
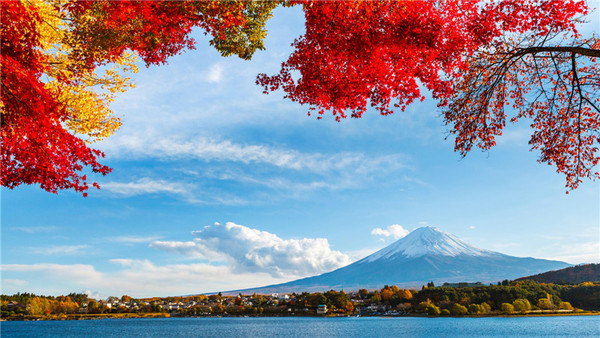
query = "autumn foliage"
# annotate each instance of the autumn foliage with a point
(475, 57)
(485, 62)
(51, 53)
(36, 148)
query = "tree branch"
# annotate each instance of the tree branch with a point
(558, 49)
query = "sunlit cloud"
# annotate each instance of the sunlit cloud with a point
(251, 250)
(395, 230)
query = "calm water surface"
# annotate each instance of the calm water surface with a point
(576, 326)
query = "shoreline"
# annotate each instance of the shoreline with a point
(168, 315)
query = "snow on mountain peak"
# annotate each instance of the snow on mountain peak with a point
(427, 241)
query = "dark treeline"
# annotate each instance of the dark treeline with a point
(571, 275)
(505, 298)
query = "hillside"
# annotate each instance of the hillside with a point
(574, 274)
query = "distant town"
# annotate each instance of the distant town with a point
(524, 297)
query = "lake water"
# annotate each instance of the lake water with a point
(571, 326)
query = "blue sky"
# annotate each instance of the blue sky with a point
(216, 186)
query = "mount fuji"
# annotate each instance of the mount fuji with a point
(426, 254)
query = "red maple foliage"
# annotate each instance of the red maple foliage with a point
(36, 149)
(155, 30)
(556, 89)
(354, 54)
(382, 54)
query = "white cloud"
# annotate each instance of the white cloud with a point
(282, 183)
(215, 150)
(215, 74)
(60, 250)
(586, 252)
(92, 294)
(184, 248)
(394, 230)
(579, 259)
(80, 272)
(279, 169)
(157, 280)
(147, 186)
(134, 239)
(252, 250)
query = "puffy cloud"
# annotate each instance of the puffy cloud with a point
(394, 230)
(252, 250)
(92, 294)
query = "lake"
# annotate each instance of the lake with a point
(573, 326)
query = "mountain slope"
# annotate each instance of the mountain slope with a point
(427, 240)
(426, 254)
(575, 274)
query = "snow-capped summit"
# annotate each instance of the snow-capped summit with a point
(427, 241)
(424, 255)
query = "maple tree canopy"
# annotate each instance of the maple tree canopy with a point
(36, 149)
(66, 41)
(475, 57)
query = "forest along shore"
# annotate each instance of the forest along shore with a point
(516, 298)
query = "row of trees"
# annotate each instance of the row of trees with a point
(485, 62)
(41, 305)
(517, 306)
(538, 295)
(518, 297)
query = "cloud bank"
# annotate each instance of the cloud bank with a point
(252, 250)
(158, 280)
